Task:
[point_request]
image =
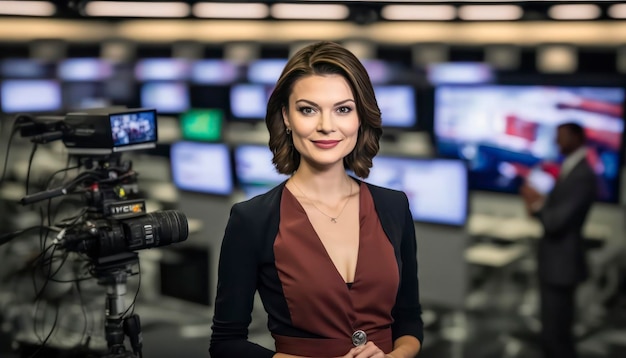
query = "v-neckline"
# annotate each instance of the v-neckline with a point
(323, 247)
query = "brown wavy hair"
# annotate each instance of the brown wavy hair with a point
(325, 58)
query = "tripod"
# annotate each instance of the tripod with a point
(112, 272)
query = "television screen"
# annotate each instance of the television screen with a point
(459, 73)
(26, 68)
(214, 72)
(379, 71)
(166, 97)
(202, 167)
(249, 101)
(265, 71)
(436, 188)
(203, 96)
(254, 169)
(202, 125)
(162, 69)
(84, 69)
(397, 105)
(507, 133)
(133, 128)
(30, 96)
(83, 95)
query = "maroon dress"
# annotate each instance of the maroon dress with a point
(318, 299)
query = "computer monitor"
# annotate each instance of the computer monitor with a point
(11, 68)
(30, 96)
(436, 188)
(464, 73)
(397, 105)
(254, 169)
(202, 167)
(204, 125)
(248, 101)
(162, 69)
(83, 95)
(266, 71)
(84, 69)
(166, 97)
(507, 133)
(214, 72)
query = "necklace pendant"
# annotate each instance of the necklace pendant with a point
(333, 220)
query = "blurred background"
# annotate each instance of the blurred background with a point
(471, 93)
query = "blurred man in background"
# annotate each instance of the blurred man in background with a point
(561, 256)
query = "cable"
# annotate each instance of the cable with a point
(30, 163)
(19, 119)
(45, 341)
(12, 235)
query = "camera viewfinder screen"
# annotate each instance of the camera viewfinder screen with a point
(133, 128)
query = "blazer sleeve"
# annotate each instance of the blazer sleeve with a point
(557, 216)
(237, 280)
(407, 312)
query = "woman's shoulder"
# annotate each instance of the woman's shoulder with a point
(383, 194)
(260, 204)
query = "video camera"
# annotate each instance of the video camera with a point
(114, 223)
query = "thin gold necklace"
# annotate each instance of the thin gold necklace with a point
(332, 219)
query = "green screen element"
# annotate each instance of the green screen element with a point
(202, 125)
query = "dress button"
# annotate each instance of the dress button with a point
(359, 338)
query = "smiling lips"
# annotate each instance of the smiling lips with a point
(326, 144)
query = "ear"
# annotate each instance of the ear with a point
(285, 117)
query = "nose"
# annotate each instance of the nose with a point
(326, 123)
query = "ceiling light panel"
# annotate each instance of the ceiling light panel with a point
(27, 8)
(490, 12)
(418, 12)
(310, 11)
(574, 12)
(231, 10)
(137, 9)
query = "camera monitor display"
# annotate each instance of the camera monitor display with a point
(507, 133)
(166, 97)
(249, 101)
(397, 105)
(30, 96)
(437, 189)
(133, 128)
(202, 125)
(254, 169)
(202, 167)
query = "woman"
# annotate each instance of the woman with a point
(333, 258)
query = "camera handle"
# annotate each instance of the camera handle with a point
(112, 272)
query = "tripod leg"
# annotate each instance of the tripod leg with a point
(132, 328)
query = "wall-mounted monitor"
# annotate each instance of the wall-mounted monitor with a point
(254, 169)
(437, 189)
(162, 69)
(84, 69)
(30, 96)
(249, 101)
(26, 68)
(83, 95)
(214, 72)
(204, 125)
(459, 73)
(210, 96)
(265, 71)
(397, 104)
(166, 97)
(202, 167)
(379, 71)
(507, 133)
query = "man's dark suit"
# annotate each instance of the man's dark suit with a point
(561, 257)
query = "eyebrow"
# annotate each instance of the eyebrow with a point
(316, 105)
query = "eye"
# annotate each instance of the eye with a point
(344, 109)
(306, 110)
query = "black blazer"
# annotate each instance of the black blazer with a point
(247, 265)
(561, 255)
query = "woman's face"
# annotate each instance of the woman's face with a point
(323, 119)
